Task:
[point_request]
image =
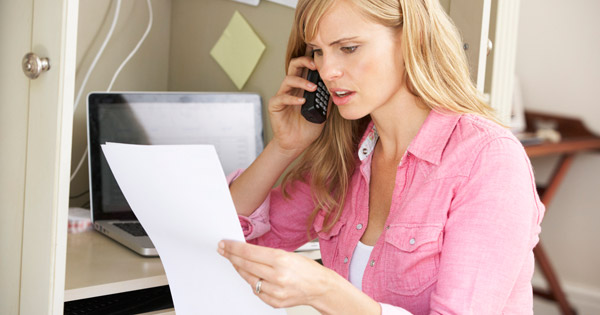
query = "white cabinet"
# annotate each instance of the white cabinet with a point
(36, 121)
(36, 117)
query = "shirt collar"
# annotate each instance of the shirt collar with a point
(367, 144)
(428, 144)
(431, 140)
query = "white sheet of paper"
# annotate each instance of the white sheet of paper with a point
(250, 2)
(289, 3)
(180, 195)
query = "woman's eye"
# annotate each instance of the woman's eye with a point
(316, 52)
(349, 49)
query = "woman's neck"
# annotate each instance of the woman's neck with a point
(397, 123)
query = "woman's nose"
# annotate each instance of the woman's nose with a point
(329, 69)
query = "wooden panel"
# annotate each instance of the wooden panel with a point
(48, 159)
(15, 42)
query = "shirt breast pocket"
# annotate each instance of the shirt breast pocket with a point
(411, 257)
(328, 240)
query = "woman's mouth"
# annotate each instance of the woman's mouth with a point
(341, 97)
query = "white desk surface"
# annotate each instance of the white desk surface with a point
(97, 265)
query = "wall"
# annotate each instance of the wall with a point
(559, 69)
(191, 68)
(198, 26)
(146, 71)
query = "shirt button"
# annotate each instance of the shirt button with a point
(412, 241)
(345, 260)
(387, 227)
(372, 263)
(365, 151)
(359, 226)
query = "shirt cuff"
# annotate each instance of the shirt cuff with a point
(387, 309)
(257, 223)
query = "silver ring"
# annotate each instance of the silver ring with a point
(257, 286)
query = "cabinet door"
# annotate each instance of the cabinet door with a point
(35, 121)
(473, 20)
(15, 41)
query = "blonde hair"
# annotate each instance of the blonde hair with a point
(436, 71)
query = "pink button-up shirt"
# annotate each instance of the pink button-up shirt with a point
(463, 221)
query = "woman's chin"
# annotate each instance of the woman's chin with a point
(349, 114)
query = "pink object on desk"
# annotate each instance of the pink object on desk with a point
(79, 220)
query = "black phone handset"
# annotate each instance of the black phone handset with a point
(314, 108)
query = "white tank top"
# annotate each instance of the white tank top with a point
(358, 263)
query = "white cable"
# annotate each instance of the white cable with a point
(131, 54)
(87, 76)
(93, 65)
(80, 163)
(134, 51)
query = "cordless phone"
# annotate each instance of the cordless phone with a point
(315, 107)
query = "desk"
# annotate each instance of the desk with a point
(97, 265)
(576, 138)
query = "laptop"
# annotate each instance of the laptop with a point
(232, 122)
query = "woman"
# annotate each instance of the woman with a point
(422, 203)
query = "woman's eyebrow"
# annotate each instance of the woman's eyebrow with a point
(342, 40)
(335, 41)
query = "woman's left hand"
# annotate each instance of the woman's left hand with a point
(288, 279)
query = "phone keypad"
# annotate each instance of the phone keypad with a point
(315, 107)
(322, 97)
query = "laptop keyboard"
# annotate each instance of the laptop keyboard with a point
(134, 229)
(133, 302)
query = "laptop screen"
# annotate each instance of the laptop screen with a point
(232, 122)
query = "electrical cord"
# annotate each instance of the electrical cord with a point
(79, 195)
(100, 52)
(87, 76)
(134, 51)
(131, 54)
(85, 152)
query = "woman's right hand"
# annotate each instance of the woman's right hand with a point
(291, 131)
(292, 134)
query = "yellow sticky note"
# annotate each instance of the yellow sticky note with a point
(238, 50)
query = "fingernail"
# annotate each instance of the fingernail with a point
(312, 63)
(311, 85)
(221, 244)
(301, 100)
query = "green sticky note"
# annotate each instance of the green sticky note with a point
(238, 50)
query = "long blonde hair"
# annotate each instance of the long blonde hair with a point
(437, 72)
